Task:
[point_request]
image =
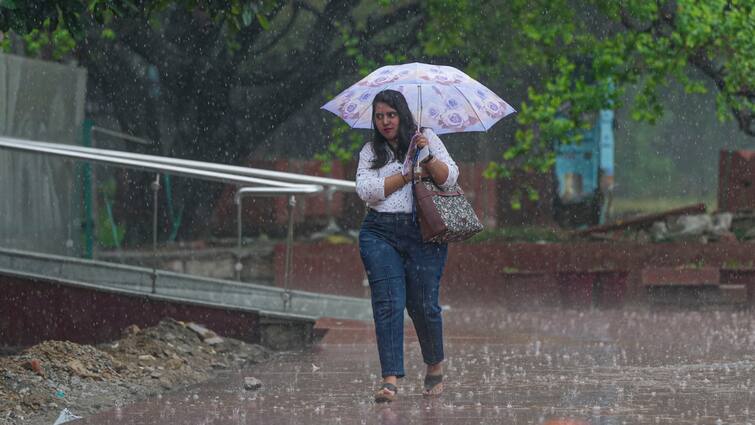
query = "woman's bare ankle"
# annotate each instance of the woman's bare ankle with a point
(391, 379)
(436, 369)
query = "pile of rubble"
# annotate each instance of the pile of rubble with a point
(39, 382)
(684, 224)
(701, 228)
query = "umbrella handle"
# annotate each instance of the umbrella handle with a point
(415, 165)
(419, 99)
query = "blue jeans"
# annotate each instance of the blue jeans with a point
(403, 272)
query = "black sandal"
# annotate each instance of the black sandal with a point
(431, 383)
(381, 396)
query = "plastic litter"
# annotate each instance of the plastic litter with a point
(65, 416)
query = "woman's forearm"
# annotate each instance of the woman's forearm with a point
(394, 183)
(437, 169)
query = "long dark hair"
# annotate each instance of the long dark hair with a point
(406, 128)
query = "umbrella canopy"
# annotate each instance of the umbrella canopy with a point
(440, 97)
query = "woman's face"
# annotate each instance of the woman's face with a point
(386, 120)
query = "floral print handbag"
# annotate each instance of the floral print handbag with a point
(444, 216)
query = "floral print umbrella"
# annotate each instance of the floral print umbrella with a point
(441, 97)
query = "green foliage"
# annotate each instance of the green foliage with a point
(109, 233)
(59, 24)
(23, 16)
(450, 22)
(238, 13)
(582, 57)
(345, 142)
(58, 41)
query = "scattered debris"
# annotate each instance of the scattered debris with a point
(677, 225)
(208, 336)
(35, 366)
(131, 330)
(252, 384)
(65, 416)
(40, 380)
(701, 227)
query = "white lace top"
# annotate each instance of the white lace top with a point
(371, 183)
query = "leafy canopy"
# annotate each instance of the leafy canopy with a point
(582, 56)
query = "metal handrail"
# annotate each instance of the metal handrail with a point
(89, 155)
(331, 184)
(270, 191)
(336, 184)
(274, 191)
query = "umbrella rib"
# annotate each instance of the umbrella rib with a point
(473, 108)
(359, 115)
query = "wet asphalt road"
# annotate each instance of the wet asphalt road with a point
(551, 366)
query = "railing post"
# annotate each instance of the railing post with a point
(332, 227)
(72, 194)
(289, 242)
(238, 266)
(155, 186)
(88, 188)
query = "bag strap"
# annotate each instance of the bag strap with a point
(414, 188)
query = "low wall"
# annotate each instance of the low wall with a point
(514, 274)
(34, 310)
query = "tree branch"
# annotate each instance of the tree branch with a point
(376, 23)
(300, 4)
(142, 39)
(282, 33)
(313, 49)
(248, 35)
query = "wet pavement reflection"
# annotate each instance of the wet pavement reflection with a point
(555, 367)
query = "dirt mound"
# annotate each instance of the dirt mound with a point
(38, 382)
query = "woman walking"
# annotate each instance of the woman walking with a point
(403, 271)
